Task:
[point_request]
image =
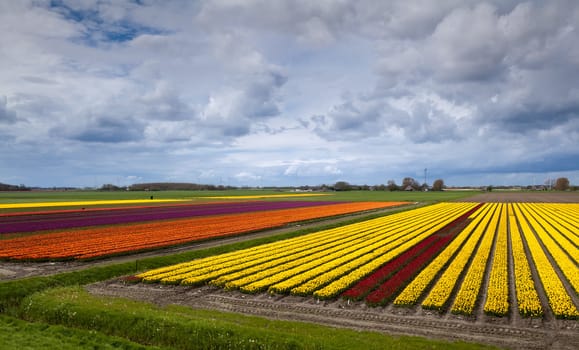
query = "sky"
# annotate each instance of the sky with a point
(288, 93)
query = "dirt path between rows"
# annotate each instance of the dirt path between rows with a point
(528, 334)
(536, 197)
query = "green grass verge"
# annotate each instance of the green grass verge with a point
(184, 328)
(201, 197)
(56, 196)
(18, 334)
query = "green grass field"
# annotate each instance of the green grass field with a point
(184, 328)
(55, 196)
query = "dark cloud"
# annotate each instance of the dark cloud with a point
(163, 102)
(543, 165)
(39, 80)
(103, 129)
(420, 119)
(466, 45)
(532, 119)
(233, 112)
(352, 119)
(259, 97)
(426, 123)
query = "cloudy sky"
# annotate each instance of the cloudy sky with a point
(260, 92)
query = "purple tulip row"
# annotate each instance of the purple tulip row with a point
(64, 220)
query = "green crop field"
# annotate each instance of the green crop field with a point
(45, 196)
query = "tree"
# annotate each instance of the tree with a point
(392, 186)
(438, 185)
(410, 183)
(342, 186)
(562, 184)
(109, 187)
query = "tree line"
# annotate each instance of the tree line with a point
(408, 184)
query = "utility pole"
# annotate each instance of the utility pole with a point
(425, 176)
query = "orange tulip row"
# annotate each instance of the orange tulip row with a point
(111, 240)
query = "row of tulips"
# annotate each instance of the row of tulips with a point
(411, 293)
(497, 301)
(27, 205)
(233, 260)
(382, 258)
(385, 281)
(58, 220)
(530, 223)
(97, 242)
(559, 300)
(312, 263)
(375, 259)
(558, 222)
(302, 276)
(467, 296)
(361, 289)
(442, 290)
(528, 301)
(554, 234)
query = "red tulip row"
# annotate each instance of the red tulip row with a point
(380, 287)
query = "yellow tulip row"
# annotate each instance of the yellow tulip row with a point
(231, 260)
(276, 271)
(527, 298)
(497, 301)
(252, 255)
(262, 267)
(559, 232)
(256, 257)
(157, 274)
(413, 291)
(206, 266)
(569, 212)
(351, 273)
(560, 302)
(565, 253)
(564, 221)
(440, 293)
(84, 203)
(326, 263)
(254, 280)
(467, 296)
(304, 279)
(541, 225)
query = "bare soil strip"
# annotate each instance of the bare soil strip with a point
(537, 197)
(527, 334)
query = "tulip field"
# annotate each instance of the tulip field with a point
(88, 234)
(455, 257)
(451, 267)
(64, 219)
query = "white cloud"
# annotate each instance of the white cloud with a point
(284, 92)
